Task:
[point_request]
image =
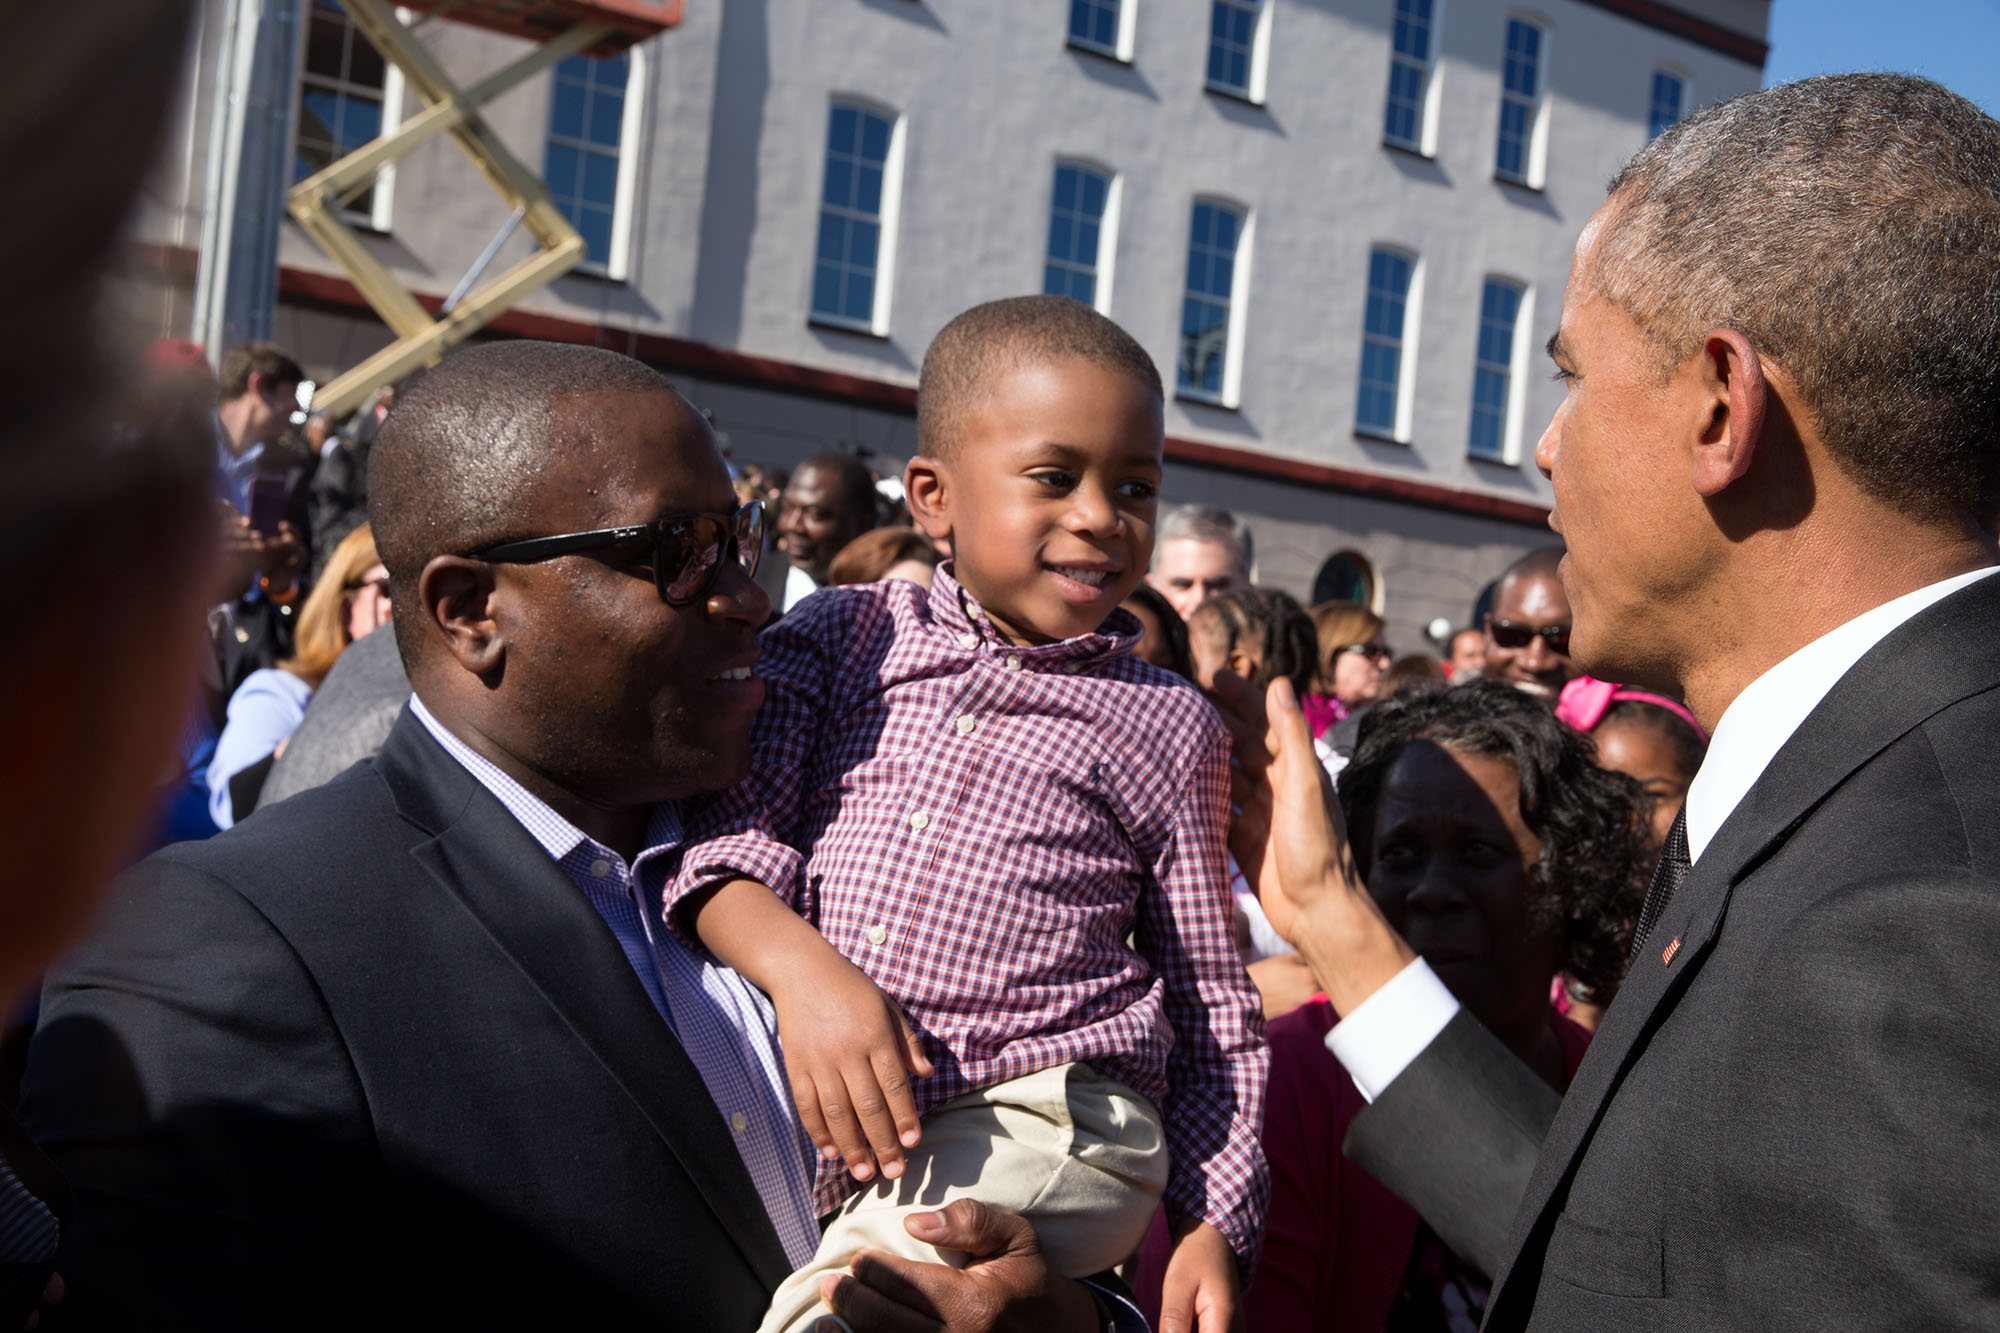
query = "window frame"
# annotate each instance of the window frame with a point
(382, 202)
(1680, 77)
(615, 266)
(1508, 452)
(877, 323)
(1258, 58)
(1230, 395)
(1425, 143)
(1399, 431)
(1534, 150)
(1107, 228)
(1121, 47)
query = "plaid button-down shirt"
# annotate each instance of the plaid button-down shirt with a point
(980, 827)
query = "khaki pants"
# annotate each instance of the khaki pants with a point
(1081, 1156)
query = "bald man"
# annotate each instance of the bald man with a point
(413, 1047)
(1527, 631)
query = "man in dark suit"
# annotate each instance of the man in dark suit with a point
(412, 1049)
(1777, 471)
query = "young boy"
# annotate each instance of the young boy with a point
(979, 795)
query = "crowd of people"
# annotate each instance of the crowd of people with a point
(970, 899)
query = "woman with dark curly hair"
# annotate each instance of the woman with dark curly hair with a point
(1503, 854)
(1261, 634)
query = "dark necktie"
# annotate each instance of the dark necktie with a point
(1673, 869)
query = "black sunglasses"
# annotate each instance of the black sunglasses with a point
(688, 549)
(1513, 634)
(1374, 652)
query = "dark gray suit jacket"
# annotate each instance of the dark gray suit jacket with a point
(1790, 1117)
(347, 721)
(370, 1060)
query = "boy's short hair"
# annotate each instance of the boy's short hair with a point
(1003, 334)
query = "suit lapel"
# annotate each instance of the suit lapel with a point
(483, 857)
(1937, 658)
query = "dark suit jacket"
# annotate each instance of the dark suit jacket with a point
(370, 1060)
(21, 1284)
(1787, 1119)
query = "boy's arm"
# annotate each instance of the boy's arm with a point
(747, 831)
(1216, 1070)
(848, 1049)
(741, 886)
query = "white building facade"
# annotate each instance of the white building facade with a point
(1341, 227)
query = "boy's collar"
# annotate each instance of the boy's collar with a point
(957, 613)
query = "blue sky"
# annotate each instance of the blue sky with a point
(1956, 42)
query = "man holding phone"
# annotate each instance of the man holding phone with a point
(264, 549)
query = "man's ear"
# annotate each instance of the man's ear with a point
(456, 597)
(927, 490)
(1730, 376)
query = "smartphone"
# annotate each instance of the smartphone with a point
(267, 504)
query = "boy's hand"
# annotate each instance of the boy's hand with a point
(849, 1053)
(1200, 1290)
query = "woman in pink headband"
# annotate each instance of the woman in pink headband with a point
(1651, 739)
(1648, 737)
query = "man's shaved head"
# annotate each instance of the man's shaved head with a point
(1543, 563)
(458, 462)
(1002, 335)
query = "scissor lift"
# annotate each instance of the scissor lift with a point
(561, 28)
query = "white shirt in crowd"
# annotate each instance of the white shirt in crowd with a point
(799, 585)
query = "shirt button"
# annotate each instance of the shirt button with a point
(600, 868)
(919, 820)
(877, 935)
(965, 724)
(1013, 661)
(739, 1122)
(968, 640)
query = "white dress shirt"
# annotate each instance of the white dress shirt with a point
(1392, 1027)
(799, 585)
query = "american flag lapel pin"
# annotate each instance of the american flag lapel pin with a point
(1667, 954)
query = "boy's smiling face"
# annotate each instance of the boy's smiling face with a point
(1049, 496)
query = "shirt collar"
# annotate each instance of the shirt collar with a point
(557, 836)
(227, 459)
(1763, 717)
(957, 613)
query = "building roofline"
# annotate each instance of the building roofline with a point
(1665, 18)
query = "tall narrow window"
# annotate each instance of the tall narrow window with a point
(587, 118)
(854, 203)
(1407, 109)
(344, 87)
(1236, 43)
(1078, 221)
(1378, 405)
(1668, 104)
(1520, 103)
(1493, 369)
(1103, 26)
(1210, 311)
